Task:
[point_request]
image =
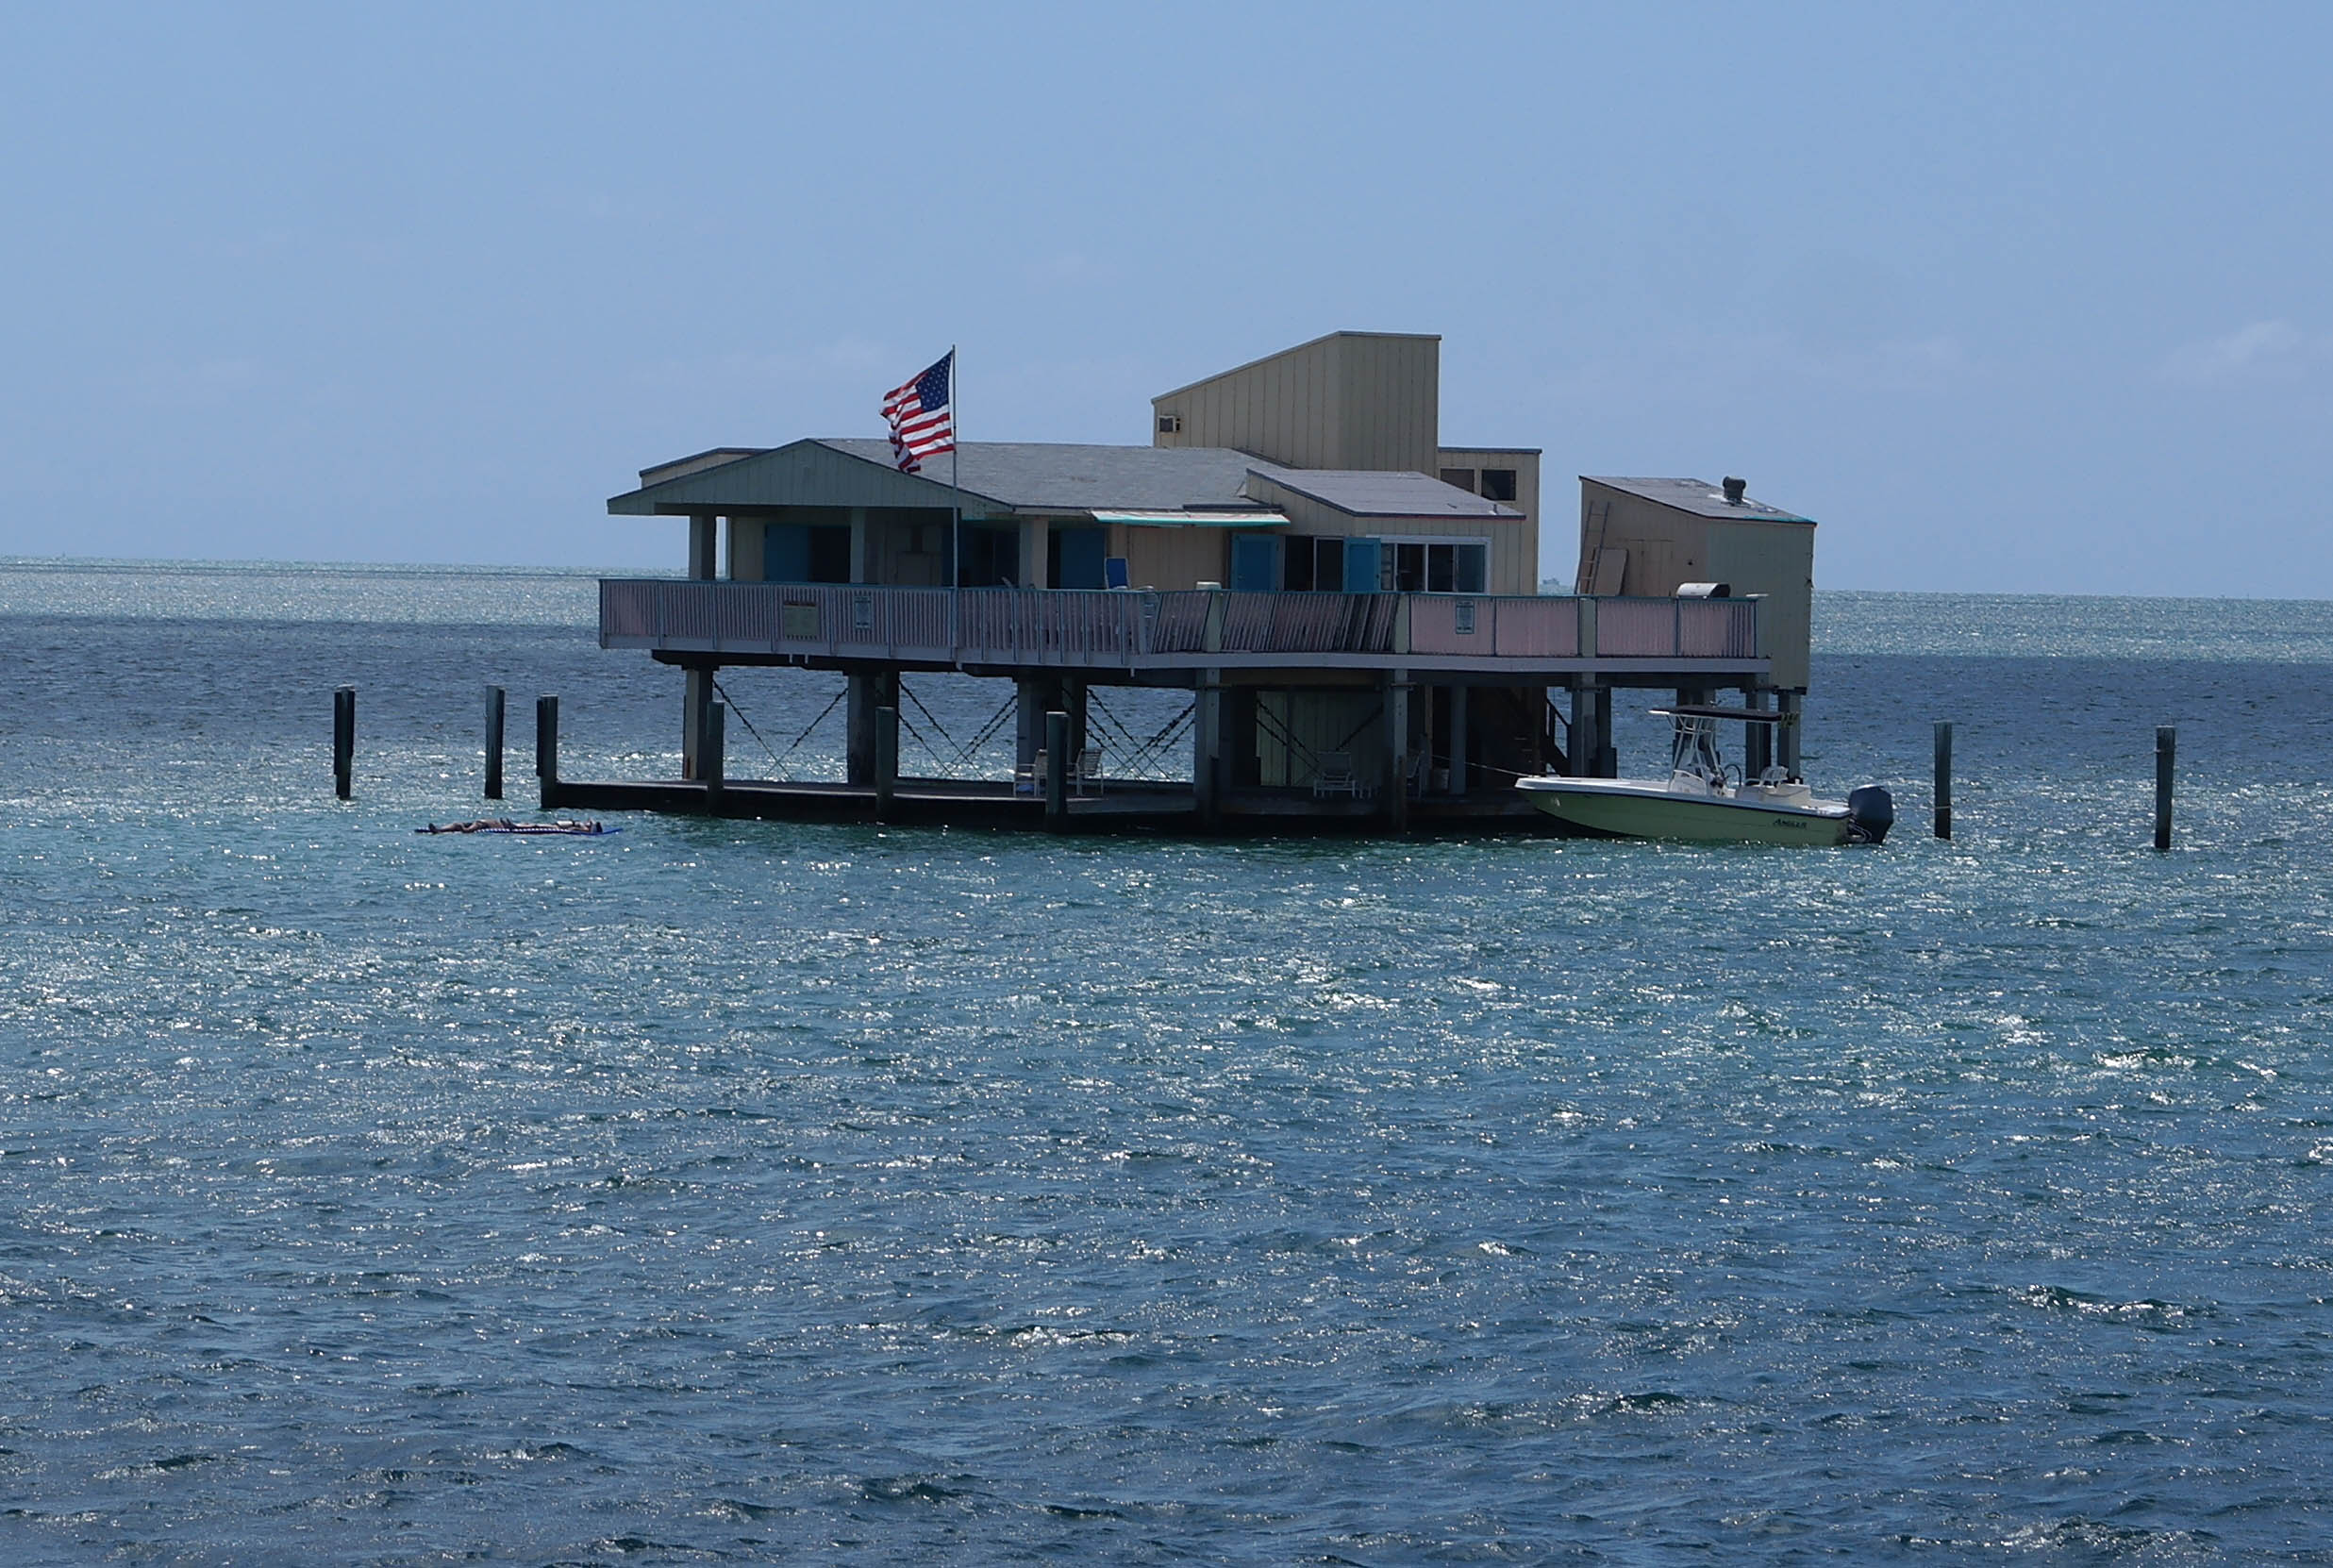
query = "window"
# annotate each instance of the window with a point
(1313, 563)
(1436, 566)
(1498, 484)
(1464, 477)
(1170, 425)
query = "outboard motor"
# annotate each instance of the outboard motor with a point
(1871, 811)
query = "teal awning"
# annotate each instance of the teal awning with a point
(1195, 519)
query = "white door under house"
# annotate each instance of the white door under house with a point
(1293, 729)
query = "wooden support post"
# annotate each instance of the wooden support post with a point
(1944, 780)
(712, 756)
(1608, 753)
(696, 703)
(546, 747)
(343, 741)
(1758, 741)
(1458, 739)
(886, 760)
(2166, 753)
(1787, 734)
(493, 743)
(702, 540)
(1056, 771)
(1206, 723)
(866, 694)
(1587, 746)
(1397, 751)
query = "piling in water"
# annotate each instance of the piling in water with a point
(2166, 753)
(1944, 780)
(1056, 771)
(343, 740)
(546, 739)
(493, 743)
(712, 760)
(886, 759)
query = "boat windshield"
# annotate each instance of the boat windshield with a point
(1694, 748)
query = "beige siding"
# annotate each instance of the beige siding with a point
(745, 548)
(1525, 464)
(1665, 546)
(1173, 557)
(1668, 547)
(1778, 560)
(905, 547)
(1349, 400)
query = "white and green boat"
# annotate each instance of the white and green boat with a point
(1706, 800)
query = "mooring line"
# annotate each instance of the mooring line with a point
(724, 693)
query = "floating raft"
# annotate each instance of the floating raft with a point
(524, 829)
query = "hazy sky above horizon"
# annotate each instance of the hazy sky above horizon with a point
(2010, 299)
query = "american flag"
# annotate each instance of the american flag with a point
(923, 420)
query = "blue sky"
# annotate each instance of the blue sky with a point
(2011, 298)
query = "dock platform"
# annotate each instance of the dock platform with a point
(1119, 809)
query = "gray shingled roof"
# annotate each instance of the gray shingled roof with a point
(1061, 477)
(1698, 496)
(1369, 492)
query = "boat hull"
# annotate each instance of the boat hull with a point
(1604, 806)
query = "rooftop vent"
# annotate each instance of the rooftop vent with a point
(1733, 491)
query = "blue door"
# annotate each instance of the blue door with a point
(1360, 565)
(1255, 563)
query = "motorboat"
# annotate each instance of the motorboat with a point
(1707, 799)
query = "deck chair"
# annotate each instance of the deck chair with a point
(1332, 774)
(1088, 774)
(1030, 779)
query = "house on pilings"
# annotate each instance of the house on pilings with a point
(1351, 604)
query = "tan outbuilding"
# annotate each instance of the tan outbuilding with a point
(1652, 537)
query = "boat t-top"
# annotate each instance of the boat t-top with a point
(1705, 798)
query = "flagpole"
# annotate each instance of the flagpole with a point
(955, 523)
(956, 420)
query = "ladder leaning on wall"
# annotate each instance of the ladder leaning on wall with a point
(1592, 532)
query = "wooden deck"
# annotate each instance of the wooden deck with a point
(1119, 808)
(1136, 634)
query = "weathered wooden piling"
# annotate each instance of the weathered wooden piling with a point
(1944, 780)
(546, 739)
(493, 743)
(2166, 754)
(886, 760)
(343, 740)
(1056, 770)
(714, 759)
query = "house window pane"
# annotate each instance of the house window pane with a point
(1328, 565)
(1474, 566)
(1462, 477)
(1498, 484)
(1296, 571)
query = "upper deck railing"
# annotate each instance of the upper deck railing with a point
(1136, 629)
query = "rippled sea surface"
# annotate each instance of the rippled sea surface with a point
(736, 1192)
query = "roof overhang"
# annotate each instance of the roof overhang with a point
(1195, 519)
(807, 472)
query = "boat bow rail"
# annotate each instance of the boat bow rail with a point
(1134, 630)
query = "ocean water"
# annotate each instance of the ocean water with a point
(740, 1193)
